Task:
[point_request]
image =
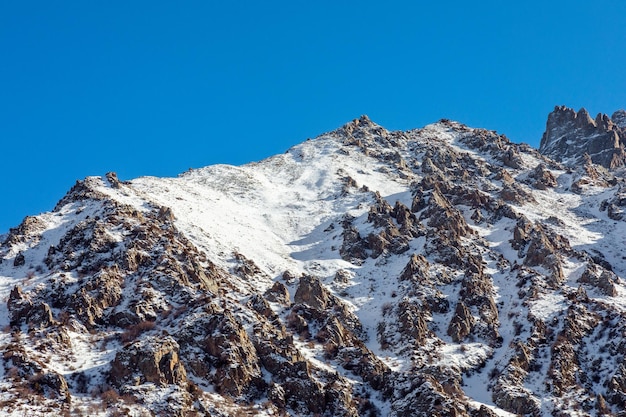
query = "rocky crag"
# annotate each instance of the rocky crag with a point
(442, 271)
(575, 138)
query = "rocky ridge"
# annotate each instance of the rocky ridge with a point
(572, 137)
(439, 271)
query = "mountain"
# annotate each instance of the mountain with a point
(441, 271)
(572, 137)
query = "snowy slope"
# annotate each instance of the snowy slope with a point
(449, 259)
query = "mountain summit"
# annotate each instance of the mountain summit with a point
(438, 271)
(570, 136)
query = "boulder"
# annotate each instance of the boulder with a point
(152, 360)
(312, 293)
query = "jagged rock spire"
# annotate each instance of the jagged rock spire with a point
(569, 135)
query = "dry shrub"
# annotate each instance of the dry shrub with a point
(133, 331)
(109, 397)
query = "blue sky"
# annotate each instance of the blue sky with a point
(156, 87)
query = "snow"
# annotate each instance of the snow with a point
(285, 212)
(294, 236)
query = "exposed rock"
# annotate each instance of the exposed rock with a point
(166, 214)
(278, 293)
(484, 411)
(514, 193)
(289, 277)
(445, 218)
(566, 364)
(228, 346)
(543, 178)
(569, 135)
(619, 119)
(20, 260)
(113, 180)
(425, 395)
(419, 201)
(153, 360)
(416, 270)
(27, 231)
(354, 248)
(342, 276)
(246, 268)
(412, 322)
(111, 273)
(601, 278)
(22, 310)
(41, 381)
(83, 190)
(512, 158)
(516, 400)
(312, 293)
(461, 323)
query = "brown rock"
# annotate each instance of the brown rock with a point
(417, 269)
(113, 180)
(484, 411)
(342, 276)
(514, 193)
(312, 293)
(516, 400)
(512, 158)
(278, 293)
(149, 360)
(461, 324)
(543, 178)
(600, 278)
(413, 322)
(570, 135)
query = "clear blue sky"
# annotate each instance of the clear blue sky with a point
(157, 87)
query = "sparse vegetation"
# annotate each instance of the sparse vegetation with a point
(133, 331)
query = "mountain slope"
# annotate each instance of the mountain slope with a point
(438, 271)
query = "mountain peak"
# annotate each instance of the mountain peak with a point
(619, 118)
(571, 135)
(363, 123)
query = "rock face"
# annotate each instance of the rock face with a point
(570, 135)
(362, 273)
(149, 360)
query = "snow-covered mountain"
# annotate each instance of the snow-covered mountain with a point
(442, 271)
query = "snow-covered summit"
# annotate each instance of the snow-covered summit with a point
(436, 271)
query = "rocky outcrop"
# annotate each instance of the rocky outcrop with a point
(417, 269)
(565, 364)
(27, 232)
(354, 248)
(222, 340)
(615, 206)
(33, 374)
(542, 178)
(395, 227)
(432, 393)
(570, 135)
(461, 323)
(278, 293)
(153, 360)
(413, 322)
(597, 276)
(539, 246)
(312, 293)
